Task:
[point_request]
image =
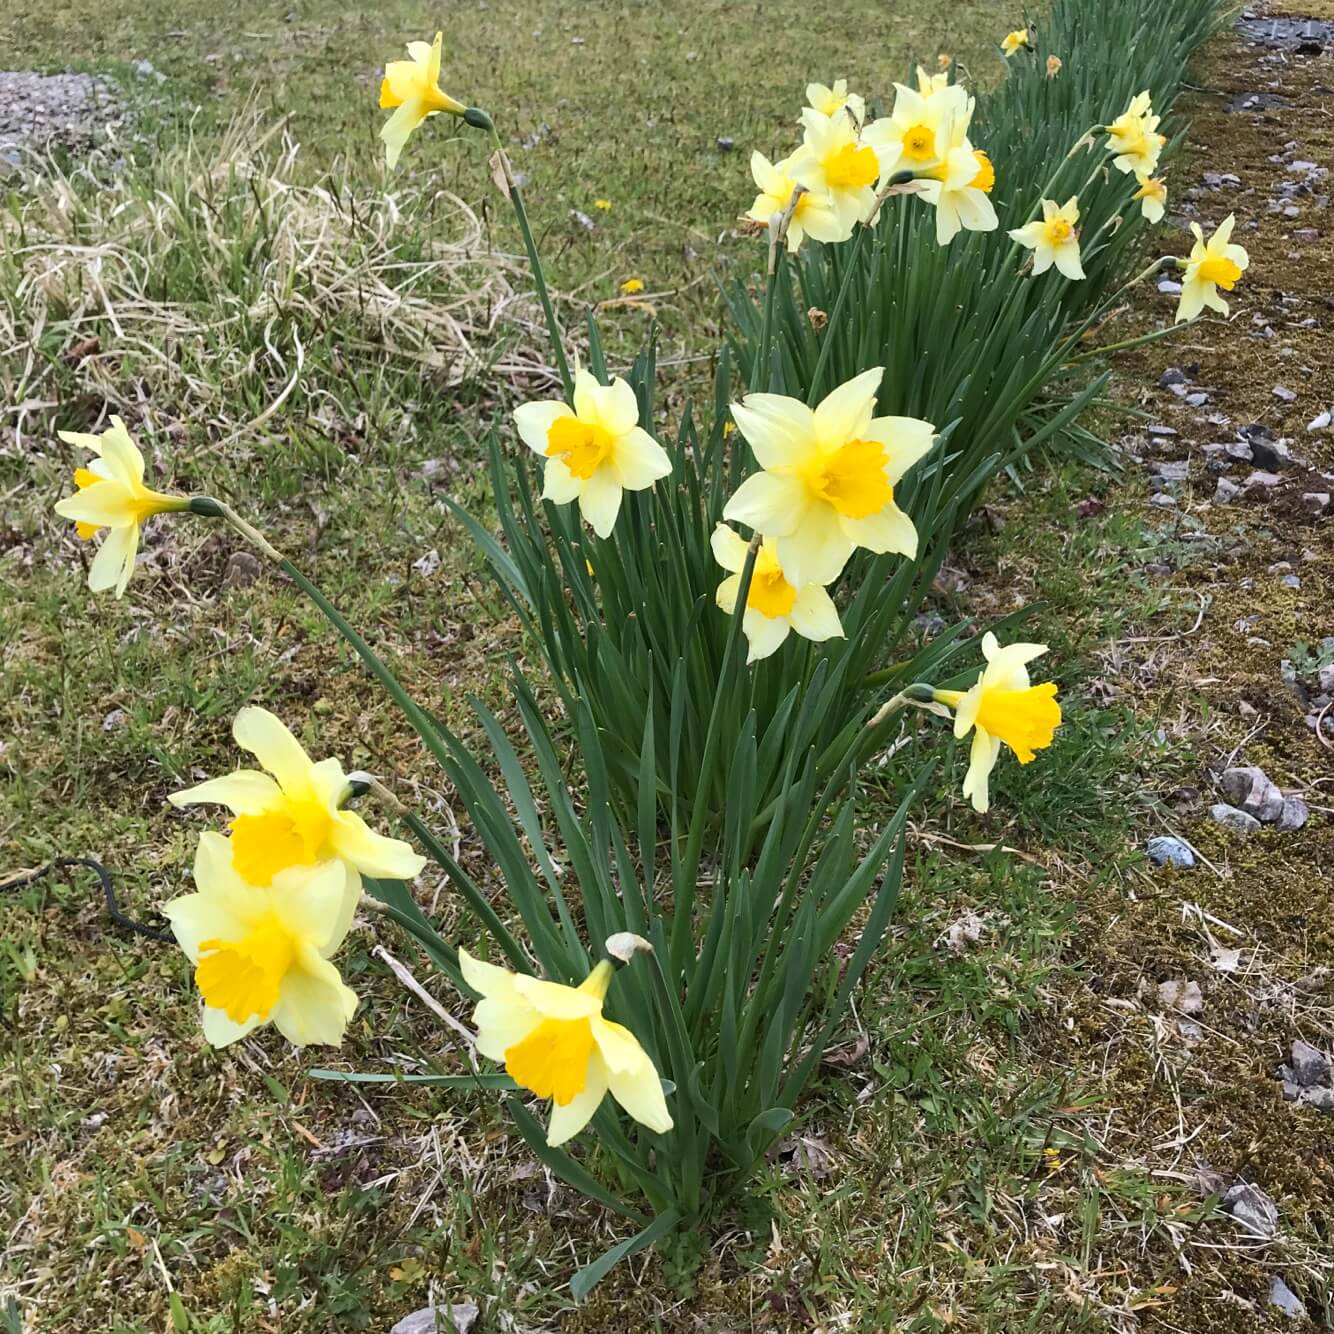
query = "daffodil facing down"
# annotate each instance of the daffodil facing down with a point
(292, 815)
(112, 496)
(834, 163)
(595, 451)
(1003, 707)
(1014, 42)
(1054, 239)
(814, 214)
(1133, 138)
(412, 88)
(1213, 264)
(1152, 196)
(554, 1042)
(774, 607)
(262, 954)
(830, 101)
(827, 485)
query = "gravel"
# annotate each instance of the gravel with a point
(42, 111)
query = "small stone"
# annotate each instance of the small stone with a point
(725, 144)
(1262, 478)
(1252, 1208)
(1271, 454)
(1325, 677)
(1226, 491)
(1197, 399)
(1184, 997)
(1161, 432)
(242, 570)
(1167, 850)
(582, 219)
(1293, 815)
(1238, 822)
(1320, 423)
(1285, 1299)
(1291, 1091)
(1309, 1064)
(1239, 451)
(1162, 500)
(1249, 787)
(1169, 287)
(1321, 1099)
(1315, 502)
(1284, 394)
(1172, 375)
(114, 719)
(1291, 581)
(460, 1317)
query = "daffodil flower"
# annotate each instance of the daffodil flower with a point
(292, 814)
(928, 85)
(960, 189)
(112, 495)
(1053, 239)
(1002, 707)
(1133, 140)
(919, 131)
(413, 88)
(1152, 194)
(773, 606)
(553, 1041)
(262, 955)
(1016, 41)
(834, 163)
(814, 215)
(1054, 66)
(829, 477)
(1213, 264)
(595, 450)
(830, 101)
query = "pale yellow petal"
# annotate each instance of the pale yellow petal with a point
(769, 503)
(638, 460)
(114, 563)
(554, 1000)
(314, 1005)
(765, 635)
(568, 1121)
(245, 792)
(535, 420)
(371, 853)
(729, 548)
(814, 615)
(779, 430)
(844, 414)
(600, 501)
(268, 739)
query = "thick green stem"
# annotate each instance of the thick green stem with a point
(482, 121)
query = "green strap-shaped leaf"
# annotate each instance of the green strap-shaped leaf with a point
(587, 1278)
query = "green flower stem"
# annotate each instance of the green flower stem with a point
(479, 119)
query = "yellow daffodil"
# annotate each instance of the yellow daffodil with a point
(1054, 66)
(554, 1042)
(814, 214)
(1213, 264)
(1152, 194)
(773, 606)
(830, 101)
(928, 85)
(292, 814)
(262, 954)
(112, 495)
(829, 477)
(413, 88)
(834, 163)
(919, 131)
(1133, 140)
(1002, 707)
(959, 189)
(632, 285)
(595, 450)
(1013, 42)
(1054, 239)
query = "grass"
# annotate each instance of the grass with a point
(964, 1163)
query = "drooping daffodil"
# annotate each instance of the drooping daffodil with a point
(1133, 140)
(412, 87)
(595, 451)
(1213, 264)
(1152, 196)
(112, 495)
(554, 1041)
(1054, 239)
(830, 101)
(829, 472)
(292, 814)
(1018, 40)
(834, 163)
(814, 214)
(1002, 707)
(960, 190)
(774, 607)
(262, 955)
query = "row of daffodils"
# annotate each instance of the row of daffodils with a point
(276, 890)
